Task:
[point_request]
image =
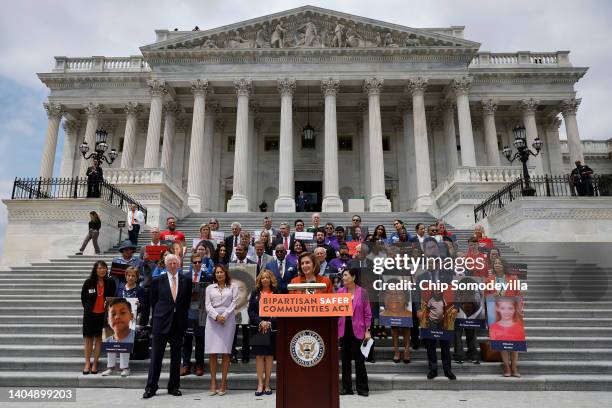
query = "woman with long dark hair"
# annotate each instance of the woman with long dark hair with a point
(96, 288)
(94, 230)
(222, 255)
(297, 248)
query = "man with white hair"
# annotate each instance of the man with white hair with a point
(316, 221)
(170, 300)
(234, 239)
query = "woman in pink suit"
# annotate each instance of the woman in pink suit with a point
(352, 331)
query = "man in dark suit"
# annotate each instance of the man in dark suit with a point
(170, 299)
(283, 271)
(418, 239)
(234, 239)
(261, 258)
(241, 255)
(284, 237)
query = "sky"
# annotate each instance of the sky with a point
(32, 32)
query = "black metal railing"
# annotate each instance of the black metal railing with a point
(545, 186)
(72, 188)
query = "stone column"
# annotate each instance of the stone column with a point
(331, 197)
(252, 173)
(172, 109)
(461, 88)
(71, 135)
(286, 196)
(568, 109)
(447, 108)
(416, 87)
(240, 200)
(378, 200)
(365, 151)
(528, 108)
(212, 110)
(555, 158)
(54, 113)
(489, 107)
(199, 88)
(158, 89)
(93, 112)
(218, 202)
(405, 108)
(132, 110)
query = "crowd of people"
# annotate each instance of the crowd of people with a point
(206, 297)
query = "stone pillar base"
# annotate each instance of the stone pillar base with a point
(423, 204)
(195, 203)
(332, 204)
(380, 204)
(284, 204)
(238, 204)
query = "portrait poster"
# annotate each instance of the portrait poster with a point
(153, 252)
(505, 316)
(122, 322)
(470, 304)
(244, 276)
(437, 315)
(218, 236)
(395, 304)
(307, 238)
(356, 233)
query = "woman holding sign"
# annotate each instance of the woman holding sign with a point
(352, 332)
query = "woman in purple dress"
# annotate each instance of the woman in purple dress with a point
(220, 300)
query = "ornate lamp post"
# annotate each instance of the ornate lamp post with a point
(100, 148)
(523, 153)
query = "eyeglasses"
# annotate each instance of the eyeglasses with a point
(356, 220)
(196, 262)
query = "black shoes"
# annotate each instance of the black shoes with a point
(432, 374)
(363, 393)
(148, 393)
(450, 375)
(176, 392)
(346, 392)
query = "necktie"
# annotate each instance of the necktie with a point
(258, 262)
(173, 288)
(235, 241)
(285, 243)
(280, 269)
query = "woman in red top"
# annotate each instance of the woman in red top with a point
(501, 274)
(308, 272)
(95, 290)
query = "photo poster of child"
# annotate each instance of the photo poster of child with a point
(437, 315)
(470, 304)
(243, 275)
(121, 317)
(505, 315)
(395, 304)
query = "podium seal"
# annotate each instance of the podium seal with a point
(307, 348)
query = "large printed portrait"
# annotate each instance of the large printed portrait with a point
(121, 317)
(470, 303)
(505, 315)
(244, 276)
(395, 304)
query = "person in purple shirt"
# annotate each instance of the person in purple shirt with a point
(343, 260)
(330, 236)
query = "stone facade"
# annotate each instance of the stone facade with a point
(233, 102)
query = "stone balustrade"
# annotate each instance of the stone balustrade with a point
(590, 147)
(141, 176)
(101, 64)
(488, 174)
(489, 59)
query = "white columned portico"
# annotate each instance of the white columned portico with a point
(199, 88)
(461, 88)
(416, 87)
(212, 110)
(528, 108)
(93, 112)
(489, 107)
(240, 200)
(568, 109)
(132, 110)
(286, 200)
(157, 89)
(447, 108)
(331, 198)
(378, 200)
(71, 132)
(172, 109)
(54, 114)
(555, 158)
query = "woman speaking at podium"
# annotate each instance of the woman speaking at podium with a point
(308, 272)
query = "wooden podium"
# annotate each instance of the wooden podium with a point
(307, 372)
(303, 386)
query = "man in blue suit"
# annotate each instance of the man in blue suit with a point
(283, 271)
(170, 299)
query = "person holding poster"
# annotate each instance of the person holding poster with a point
(507, 330)
(353, 331)
(120, 319)
(396, 312)
(470, 316)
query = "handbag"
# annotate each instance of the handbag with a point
(259, 338)
(488, 354)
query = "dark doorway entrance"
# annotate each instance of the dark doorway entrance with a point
(313, 190)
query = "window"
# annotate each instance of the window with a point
(345, 143)
(386, 141)
(231, 143)
(271, 144)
